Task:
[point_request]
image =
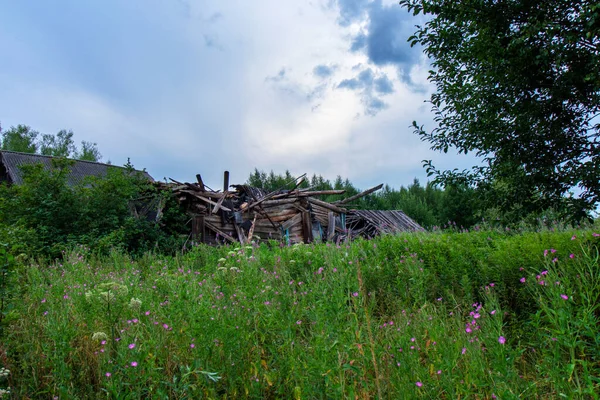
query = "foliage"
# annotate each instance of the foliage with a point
(23, 139)
(518, 84)
(443, 315)
(45, 215)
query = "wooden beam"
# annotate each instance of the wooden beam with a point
(326, 205)
(199, 179)
(225, 181)
(358, 196)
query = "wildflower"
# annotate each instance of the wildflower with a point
(419, 384)
(501, 340)
(99, 336)
(135, 304)
(545, 272)
(564, 297)
(134, 364)
(571, 255)
(108, 374)
(44, 300)
(298, 322)
(131, 346)
(573, 237)
(439, 372)
(165, 326)
(464, 350)
(355, 294)
(522, 280)
(192, 345)
(147, 313)
(493, 312)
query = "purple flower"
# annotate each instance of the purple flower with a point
(464, 350)
(419, 384)
(108, 374)
(501, 340)
(564, 297)
(522, 280)
(134, 364)
(298, 322)
(493, 312)
(192, 345)
(355, 294)
(131, 346)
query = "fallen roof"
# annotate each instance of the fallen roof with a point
(370, 223)
(13, 160)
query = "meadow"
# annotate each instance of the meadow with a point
(445, 315)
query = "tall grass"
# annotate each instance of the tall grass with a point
(447, 315)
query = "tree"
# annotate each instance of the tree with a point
(20, 138)
(518, 84)
(24, 139)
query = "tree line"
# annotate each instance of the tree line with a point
(22, 138)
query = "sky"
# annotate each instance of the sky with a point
(182, 87)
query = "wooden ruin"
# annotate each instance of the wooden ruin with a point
(241, 213)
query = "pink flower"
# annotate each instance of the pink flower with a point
(493, 312)
(192, 345)
(564, 297)
(522, 280)
(298, 322)
(419, 384)
(464, 350)
(134, 364)
(439, 372)
(108, 374)
(355, 294)
(131, 346)
(573, 237)
(501, 340)
(147, 313)
(571, 255)
(165, 326)
(545, 272)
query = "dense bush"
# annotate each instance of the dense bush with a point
(46, 216)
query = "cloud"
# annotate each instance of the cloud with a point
(323, 71)
(370, 87)
(383, 33)
(384, 85)
(351, 10)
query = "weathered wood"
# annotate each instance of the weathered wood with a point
(212, 202)
(220, 202)
(324, 204)
(200, 183)
(359, 195)
(225, 181)
(217, 230)
(291, 222)
(307, 227)
(330, 226)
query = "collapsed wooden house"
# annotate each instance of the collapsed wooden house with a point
(245, 213)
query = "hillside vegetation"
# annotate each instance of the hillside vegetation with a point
(488, 314)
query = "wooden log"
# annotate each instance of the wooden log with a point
(324, 204)
(225, 181)
(359, 195)
(220, 232)
(291, 222)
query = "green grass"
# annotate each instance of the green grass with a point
(440, 315)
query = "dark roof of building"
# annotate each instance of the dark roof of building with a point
(12, 161)
(372, 222)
